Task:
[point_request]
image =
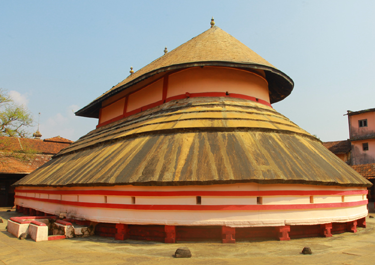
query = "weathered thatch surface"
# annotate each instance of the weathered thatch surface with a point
(197, 141)
(213, 47)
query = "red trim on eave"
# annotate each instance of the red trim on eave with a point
(186, 95)
(125, 105)
(165, 87)
(131, 113)
(203, 207)
(158, 103)
(201, 193)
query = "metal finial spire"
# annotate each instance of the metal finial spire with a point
(131, 70)
(37, 134)
(38, 120)
(165, 50)
(212, 22)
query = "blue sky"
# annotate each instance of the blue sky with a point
(57, 56)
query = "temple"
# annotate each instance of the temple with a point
(189, 148)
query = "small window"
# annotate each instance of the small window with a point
(133, 200)
(362, 123)
(199, 200)
(311, 199)
(259, 200)
(365, 146)
(343, 198)
(105, 199)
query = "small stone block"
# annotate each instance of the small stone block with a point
(17, 229)
(23, 236)
(182, 252)
(306, 251)
(38, 232)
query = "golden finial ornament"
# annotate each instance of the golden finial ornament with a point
(37, 134)
(131, 70)
(212, 22)
(165, 50)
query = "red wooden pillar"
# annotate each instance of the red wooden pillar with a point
(351, 226)
(32, 212)
(122, 232)
(19, 209)
(326, 230)
(228, 234)
(170, 234)
(282, 232)
(362, 222)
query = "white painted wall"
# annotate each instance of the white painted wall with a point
(277, 200)
(203, 217)
(72, 198)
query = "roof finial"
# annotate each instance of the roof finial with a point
(212, 22)
(37, 134)
(165, 50)
(131, 70)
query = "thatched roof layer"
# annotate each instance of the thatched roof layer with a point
(197, 141)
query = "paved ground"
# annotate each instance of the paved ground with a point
(347, 248)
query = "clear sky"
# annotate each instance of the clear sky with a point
(58, 56)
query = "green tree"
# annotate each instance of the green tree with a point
(14, 119)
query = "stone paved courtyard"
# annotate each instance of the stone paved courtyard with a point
(347, 248)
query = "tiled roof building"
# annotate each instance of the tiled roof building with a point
(366, 170)
(340, 148)
(359, 150)
(21, 156)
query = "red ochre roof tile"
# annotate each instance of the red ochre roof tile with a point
(35, 145)
(338, 147)
(24, 155)
(366, 170)
(58, 139)
(11, 165)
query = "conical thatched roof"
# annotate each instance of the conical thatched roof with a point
(197, 141)
(213, 47)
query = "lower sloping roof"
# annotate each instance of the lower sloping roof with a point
(47, 146)
(197, 141)
(338, 147)
(25, 165)
(366, 170)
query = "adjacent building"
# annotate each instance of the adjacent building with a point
(362, 136)
(21, 156)
(359, 150)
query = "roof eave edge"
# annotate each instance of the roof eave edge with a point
(98, 101)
